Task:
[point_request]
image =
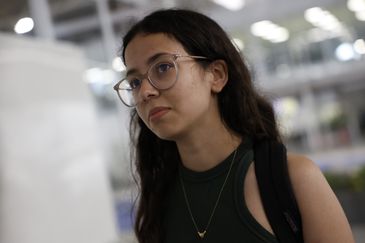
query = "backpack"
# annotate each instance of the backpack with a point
(276, 191)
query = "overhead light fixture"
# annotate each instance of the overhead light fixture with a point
(359, 46)
(233, 5)
(313, 15)
(270, 31)
(261, 28)
(324, 20)
(24, 25)
(345, 52)
(278, 35)
(356, 5)
(360, 15)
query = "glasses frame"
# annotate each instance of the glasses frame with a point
(146, 75)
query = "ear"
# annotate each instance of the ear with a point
(219, 72)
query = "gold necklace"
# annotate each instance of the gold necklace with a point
(201, 234)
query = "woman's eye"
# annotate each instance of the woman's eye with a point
(164, 67)
(135, 83)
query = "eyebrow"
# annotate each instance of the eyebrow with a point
(150, 60)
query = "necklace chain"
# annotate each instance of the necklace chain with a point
(201, 234)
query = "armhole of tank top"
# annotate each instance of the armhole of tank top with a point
(241, 207)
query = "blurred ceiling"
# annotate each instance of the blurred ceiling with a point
(77, 20)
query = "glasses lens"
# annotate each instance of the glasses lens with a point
(126, 93)
(163, 73)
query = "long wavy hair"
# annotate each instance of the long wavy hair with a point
(241, 108)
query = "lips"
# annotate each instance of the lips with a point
(157, 112)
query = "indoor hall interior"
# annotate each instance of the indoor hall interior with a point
(65, 172)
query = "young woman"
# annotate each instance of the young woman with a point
(195, 118)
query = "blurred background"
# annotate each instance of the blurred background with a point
(65, 173)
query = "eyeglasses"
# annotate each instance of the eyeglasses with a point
(162, 74)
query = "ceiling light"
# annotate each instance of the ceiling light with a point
(233, 5)
(320, 18)
(324, 20)
(356, 5)
(313, 15)
(279, 34)
(329, 22)
(345, 52)
(270, 31)
(360, 15)
(24, 25)
(359, 46)
(261, 28)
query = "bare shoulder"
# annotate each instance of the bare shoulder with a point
(322, 215)
(302, 170)
(300, 165)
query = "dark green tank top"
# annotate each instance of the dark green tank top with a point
(231, 223)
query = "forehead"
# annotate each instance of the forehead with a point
(144, 46)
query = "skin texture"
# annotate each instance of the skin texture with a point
(190, 114)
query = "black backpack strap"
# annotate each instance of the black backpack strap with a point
(276, 191)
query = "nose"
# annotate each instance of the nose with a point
(147, 90)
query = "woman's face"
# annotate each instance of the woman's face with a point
(182, 109)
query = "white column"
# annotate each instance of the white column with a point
(54, 184)
(310, 118)
(42, 17)
(107, 31)
(353, 125)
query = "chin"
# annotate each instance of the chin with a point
(165, 136)
(166, 133)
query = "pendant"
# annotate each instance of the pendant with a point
(202, 234)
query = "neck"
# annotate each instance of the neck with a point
(205, 149)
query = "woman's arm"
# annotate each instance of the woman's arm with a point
(323, 218)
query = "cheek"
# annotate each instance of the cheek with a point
(142, 115)
(198, 92)
(192, 100)
(193, 83)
